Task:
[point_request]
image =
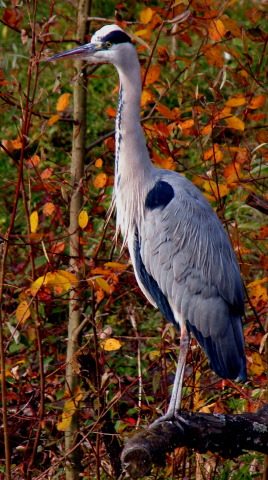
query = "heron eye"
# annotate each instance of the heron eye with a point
(108, 44)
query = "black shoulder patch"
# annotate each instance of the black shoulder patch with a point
(117, 37)
(159, 196)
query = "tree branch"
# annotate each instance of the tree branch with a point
(227, 435)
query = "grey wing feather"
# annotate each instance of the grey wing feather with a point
(186, 250)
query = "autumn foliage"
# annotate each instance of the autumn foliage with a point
(203, 111)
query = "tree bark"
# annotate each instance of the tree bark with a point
(73, 466)
(227, 435)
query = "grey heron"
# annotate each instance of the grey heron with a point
(182, 257)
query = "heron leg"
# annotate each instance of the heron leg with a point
(176, 395)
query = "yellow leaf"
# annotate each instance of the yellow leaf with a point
(64, 424)
(219, 191)
(70, 276)
(83, 219)
(63, 102)
(143, 33)
(49, 208)
(37, 285)
(34, 221)
(152, 74)
(68, 411)
(116, 266)
(258, 282)
(100, 180)
(216, 30)
(146, 96)
(111, 344)
(54, 118)
(99, 163)
(235, 122)
(56, 279)
(257, 366)
(236, 101)
(23, 312)
(258, 291)
(103, 284)
(257, 102)
(146, 15)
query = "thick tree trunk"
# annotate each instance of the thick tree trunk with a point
(77, 170)
(227, 435)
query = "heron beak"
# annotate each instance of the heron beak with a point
(84, 52)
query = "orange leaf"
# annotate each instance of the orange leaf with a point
(216, 30)
(56, 117)
(257, 102)
(34, 221)
(49, 208)
(235, 122)
(213, 152)
(110, 143)
(152, 74)
(8, 144)
(206, 130)
(187, 124)
(47, 173)
(17, 144)
(146, 15)
(166, 112)
(236, 101)
(230, 172)
(63, 102)
(83, 219)
(99, 163)
(111, 112)
(34, 160)
(100, 180)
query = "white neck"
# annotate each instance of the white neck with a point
(133, 167)
(131, 154)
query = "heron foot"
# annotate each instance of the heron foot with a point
(168, 417)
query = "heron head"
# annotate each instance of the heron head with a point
(106, 46)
